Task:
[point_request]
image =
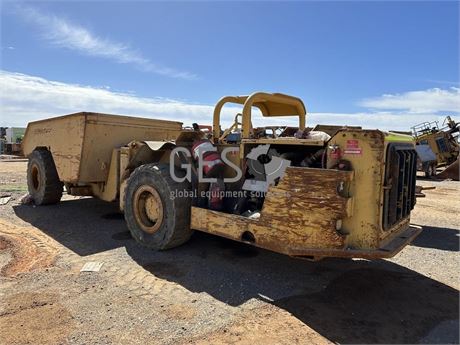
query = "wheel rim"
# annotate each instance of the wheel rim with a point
(148, 209)
(35, 175)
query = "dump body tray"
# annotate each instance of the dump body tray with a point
(82, 143)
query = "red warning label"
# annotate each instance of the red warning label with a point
(353, 147)
(356, 151)
(352, 143)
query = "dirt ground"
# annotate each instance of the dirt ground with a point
(212, 290)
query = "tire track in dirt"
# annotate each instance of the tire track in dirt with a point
(26, 251)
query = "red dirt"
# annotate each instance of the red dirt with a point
(26, 255)
(34, 318)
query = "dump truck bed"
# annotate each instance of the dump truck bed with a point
(82, 143)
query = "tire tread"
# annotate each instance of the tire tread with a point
(181, 232)
(50, 178)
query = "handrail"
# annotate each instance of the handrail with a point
(270, 104)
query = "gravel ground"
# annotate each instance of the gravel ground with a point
(213, 290)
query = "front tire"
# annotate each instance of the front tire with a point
(157, 215)
(42, 178)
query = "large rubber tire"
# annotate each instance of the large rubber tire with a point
(173, 229)
(42, 178)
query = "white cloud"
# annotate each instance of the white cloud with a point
(62, 33)
(376, 120)
(426, 101)
(370, 120)
(25, 98)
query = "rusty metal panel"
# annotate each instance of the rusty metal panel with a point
(301, 212)
(386, 250)
(218, 223)
(304, 209)
(232, 226)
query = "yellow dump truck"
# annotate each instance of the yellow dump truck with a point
(438, 147)
(291, 190)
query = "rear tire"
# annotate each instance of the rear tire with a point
(155, 214)
(42, 178)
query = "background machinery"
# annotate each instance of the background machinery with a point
(438, 147)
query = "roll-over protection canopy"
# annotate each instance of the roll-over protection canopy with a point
(270, 104)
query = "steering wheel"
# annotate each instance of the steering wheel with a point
(236, 124)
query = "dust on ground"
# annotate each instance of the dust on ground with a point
(34, 318)
(213, 290)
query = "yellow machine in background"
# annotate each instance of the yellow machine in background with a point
(437, 147)
(291, 190)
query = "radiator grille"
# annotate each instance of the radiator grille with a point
(399, 186)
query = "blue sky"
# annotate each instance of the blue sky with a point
(378, 64)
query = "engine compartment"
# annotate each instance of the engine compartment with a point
(262, 159)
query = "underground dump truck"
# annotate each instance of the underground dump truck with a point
(288, 189)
